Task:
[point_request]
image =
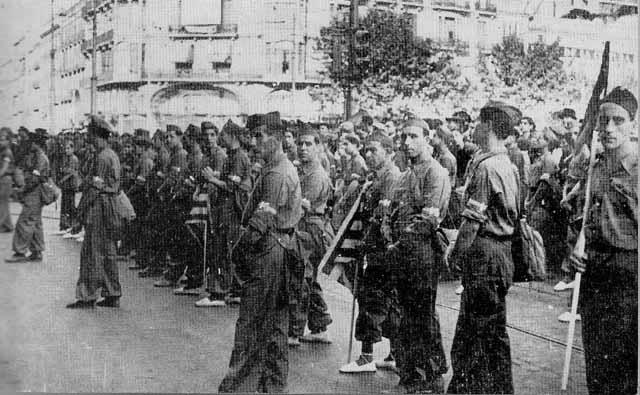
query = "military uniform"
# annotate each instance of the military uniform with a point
(378, 307)
(28, 234)
(98, 266)
(415, 263)
(481, 355)
(609, 290)
(6, 182)
(259, 360)
(70, 169)
(309, 305)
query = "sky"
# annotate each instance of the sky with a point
(17, 17)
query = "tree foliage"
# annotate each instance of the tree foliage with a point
(539, 65)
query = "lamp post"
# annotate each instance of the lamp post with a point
(94, 77)
(52, 77)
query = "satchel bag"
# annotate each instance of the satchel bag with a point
(528, 253)
(124, 207)
(49, 192)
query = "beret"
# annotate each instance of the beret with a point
(272, 121)
(232, 128)
(207, 125)
(308, 130)
(254, 120)
(352, 138)
(568, 113)
(99, 127)
(174, 128)
(501, 112)
(460, 116)
(624, 99)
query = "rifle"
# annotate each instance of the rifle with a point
(591, 119)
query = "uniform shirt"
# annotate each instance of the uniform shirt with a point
(179, 159)
(385, 179)
(145, 166)
(279, 186)
(70, 166)
(217, 159)
(425, 185)
(316, 187)
(351, 166)
(163, 159)
(492, 195)
(108, 168)
(613, 216)
(448, 161)
(7, 156)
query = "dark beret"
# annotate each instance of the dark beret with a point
(208, 125)
(272, 121)
(568, 113)
(460, 116)
(501, 113)
(255, 120)
(232, 128)
(174, 128)
(381, 138)
(99, 127)
(624, 99)
(418, 123)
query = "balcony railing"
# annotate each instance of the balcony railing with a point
(487, 8)
(203, 31)
(455, 5)
(103, 40)
(100, 5)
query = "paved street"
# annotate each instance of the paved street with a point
(158, 342)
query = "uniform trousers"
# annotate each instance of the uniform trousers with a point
(67, 208)
(28, 234)
(609, 310)
(98, 266)
(481, 353)
(6, 224)
(260, 356)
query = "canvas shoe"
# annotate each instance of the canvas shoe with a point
(360, 365)
(388, 363)
(163, 283)
(566, 317)
(293, 341)
(206, 302)
(563, 286)
(459, 290)
(61, 232)
(186, 291)
(321, 337)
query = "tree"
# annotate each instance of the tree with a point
(540, 65)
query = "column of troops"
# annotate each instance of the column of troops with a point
(248, 213)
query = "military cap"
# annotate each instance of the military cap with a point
(143, 141)
(460, 116)
(142, 133)
(380, 137)
(192, 131)
(99, 127)
(254, 120)
(6, 131)
(624, 99)
(418, 123)
(568, 113)
(272, 121)
(308, 130)
(23, 129)
(208, 125)
(352, 138)
(502, 114)
(39, 136)
(174, 128)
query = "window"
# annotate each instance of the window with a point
(134, 58)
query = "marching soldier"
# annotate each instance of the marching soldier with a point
(379, 312)
(416, 258)
(310, 307)
(28, 236)
(481, 355)
(609, 293)
(266, 251)
(98, 266)
(231, 186)
(7, 166)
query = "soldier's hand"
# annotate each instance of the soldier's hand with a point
(306, 204)
(98, 182)
(235, 179)
(209, 174)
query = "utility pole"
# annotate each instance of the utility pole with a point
(52, 77)
(293, 61)
(353, 23)
(94, 77)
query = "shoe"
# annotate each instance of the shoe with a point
(361, 365)
(293, 341)
(135, 266)
(164, 283)
(78, 235)
(186, 291)
(80, 239)
(563, 286)
(109, 302)
(81, 304)
(61, 232)
(388, 363)
(206, 302)
(459, 290)
(17, 258)
(566, 317)
(321, 337)
(35, 257)
(68, 235)
(233, 300)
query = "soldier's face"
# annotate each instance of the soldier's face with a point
(212, 137)
(375, 155)
(614, 126)
(289, 141)
(416, 142)
(525, 126)
(174, 139)
(307, 148)
(266, 145)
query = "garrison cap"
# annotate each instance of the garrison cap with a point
(568, 113)
(418, 123)
(208, 125)
(141, 133)
(99, 127)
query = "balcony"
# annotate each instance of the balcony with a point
(103, 41)
(486, 8)
(452, 5)
(100, 5)
(203, 31)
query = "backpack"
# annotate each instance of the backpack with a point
(528, 253)
(49, 192)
